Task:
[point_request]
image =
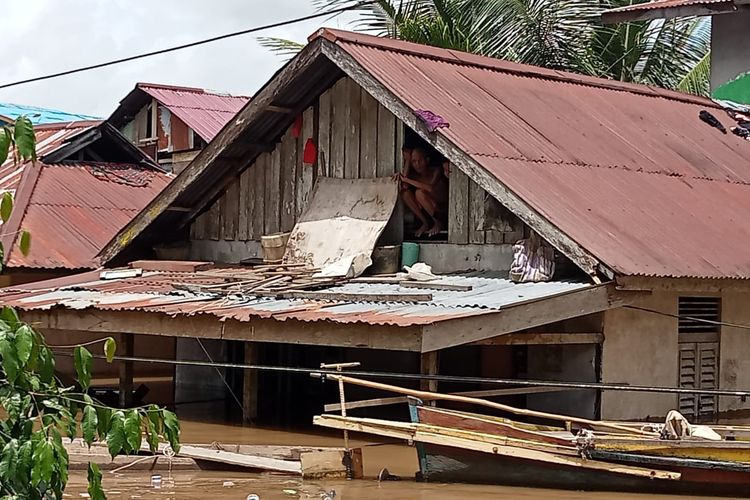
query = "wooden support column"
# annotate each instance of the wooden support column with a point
(126, 348)
(250, 384)
(429, 366)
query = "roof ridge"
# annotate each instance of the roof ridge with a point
(496, 64)
(196, 90)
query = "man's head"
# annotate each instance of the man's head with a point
(420, 160)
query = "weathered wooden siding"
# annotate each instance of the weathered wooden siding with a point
(356, 138)
(476, 218)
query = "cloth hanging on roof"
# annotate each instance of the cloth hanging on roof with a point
(431, 120)
(533, 261)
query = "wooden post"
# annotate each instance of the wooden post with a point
(250, 385)
(429, 366)
(127, 342)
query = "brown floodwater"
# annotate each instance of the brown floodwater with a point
(399, 459)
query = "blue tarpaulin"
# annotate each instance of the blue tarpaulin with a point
(39, 115)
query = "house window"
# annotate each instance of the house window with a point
(698, 339)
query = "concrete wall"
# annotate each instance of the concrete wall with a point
(734, 363)
(640, 348)
(730, 55)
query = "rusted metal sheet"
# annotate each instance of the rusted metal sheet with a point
(629, 172)
(340, 227)
(74, 209)
(48, 139)
(165, 292)
(683, 7)
(203, 111)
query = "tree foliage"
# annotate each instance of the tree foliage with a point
(558, 34)
(38, 412)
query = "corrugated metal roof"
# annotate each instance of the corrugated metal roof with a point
(629, 172)
(204, 111)
(48, 139)
(155, 292)
(40, 116)
(654, 5)
(72, 210)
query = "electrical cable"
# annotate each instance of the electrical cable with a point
(439, 378)
(332, 12)
(691, 318)
(221, 376)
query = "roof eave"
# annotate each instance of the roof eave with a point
(629, 14)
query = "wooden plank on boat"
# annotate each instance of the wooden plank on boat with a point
(672, 462)
(237, 459)
(326, 464)
(490, 404)
(367, 403)
(411, 432)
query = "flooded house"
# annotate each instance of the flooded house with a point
(171, 123)
(639, 204)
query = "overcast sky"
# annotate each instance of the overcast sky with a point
(47, 36)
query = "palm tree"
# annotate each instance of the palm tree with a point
(558, 34)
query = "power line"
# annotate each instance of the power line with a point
(439, 378)
(332, 12)
(691, 318)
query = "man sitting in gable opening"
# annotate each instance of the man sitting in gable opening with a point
(424, 189)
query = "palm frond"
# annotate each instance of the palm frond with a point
(698, 80)
(283, 47)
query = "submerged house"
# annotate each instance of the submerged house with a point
(644, 204)
(172, 124)
(87, 183)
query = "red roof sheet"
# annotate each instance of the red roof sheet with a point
(711, 5)
(72, 210)
(203, 111)
(629, 172)
(48, 139)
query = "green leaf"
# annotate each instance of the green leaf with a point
(95, 483)
(116, 435)
(25, 243)
(110, 346)
(6, 206)
(83, 360)
(153, 436)
(9, 461)
(5, 141)
(133, 431)
(24, 137)
(24, 343)
(44, 461)
(11, 364)
(46, 365)
(89, 424)
(154, 415)
(103, 417)
(172, 429)
(9, 316)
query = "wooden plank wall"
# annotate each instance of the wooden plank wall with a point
(470, 221)
(356, 137)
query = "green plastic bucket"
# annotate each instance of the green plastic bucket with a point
(409, 254)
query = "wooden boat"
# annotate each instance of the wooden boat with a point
(455, 446)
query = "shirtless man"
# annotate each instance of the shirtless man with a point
(424, 189)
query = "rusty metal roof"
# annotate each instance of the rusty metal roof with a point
(627, 171)
(73, 209)
(160, 291)
(49, 138)
(667, 9)
(204, 111)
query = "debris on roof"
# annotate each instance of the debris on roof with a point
(219, 292)
(40, 116)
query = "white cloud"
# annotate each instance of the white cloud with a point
(47, 36)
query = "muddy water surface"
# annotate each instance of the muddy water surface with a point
(399, 459)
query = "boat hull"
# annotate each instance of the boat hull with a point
(454, 465)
